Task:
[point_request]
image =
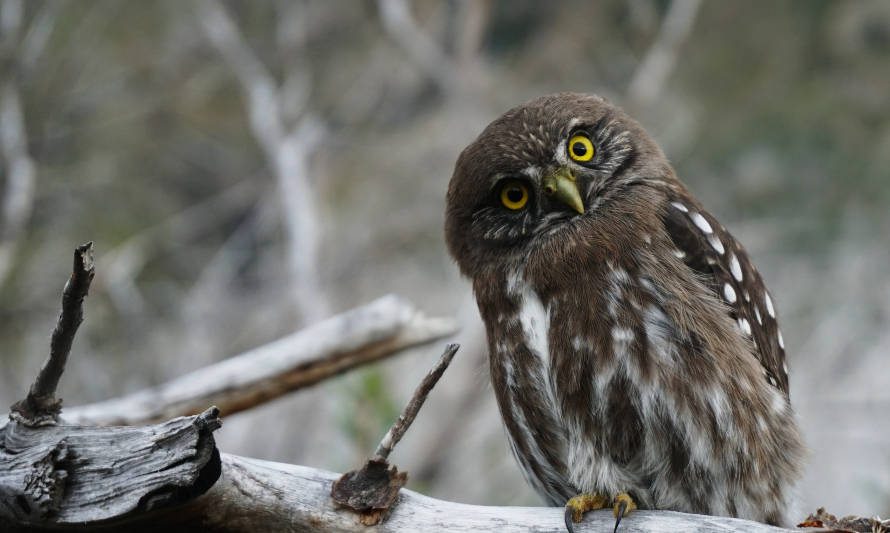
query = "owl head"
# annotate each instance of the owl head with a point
(543, 166)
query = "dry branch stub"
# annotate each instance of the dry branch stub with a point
(41, 407)
(372, 490)
(54, 474)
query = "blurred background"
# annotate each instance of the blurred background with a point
(246, 168)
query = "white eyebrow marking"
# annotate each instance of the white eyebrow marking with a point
(574, 122)
(560, 155)
(533, 172)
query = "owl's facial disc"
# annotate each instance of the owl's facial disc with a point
(561, 185)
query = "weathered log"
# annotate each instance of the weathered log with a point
(330, 347)
(72, 475)
(255, 496)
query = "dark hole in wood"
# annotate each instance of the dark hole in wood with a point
(23, 503)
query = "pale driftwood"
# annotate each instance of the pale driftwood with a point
(66, 475)
(333, 346)
(254, 495)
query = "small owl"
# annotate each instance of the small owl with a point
(634, 349)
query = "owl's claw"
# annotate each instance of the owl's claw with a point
(569, 512)
(580, 504)
(622, 506)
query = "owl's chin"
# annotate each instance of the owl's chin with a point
(554, 224)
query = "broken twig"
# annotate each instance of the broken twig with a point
(372, 490)
(41, 407)
(398, 429)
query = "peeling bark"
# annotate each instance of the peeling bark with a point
(71, 475)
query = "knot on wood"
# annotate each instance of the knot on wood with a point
(36, 410)
(44, 486)
(370, 491)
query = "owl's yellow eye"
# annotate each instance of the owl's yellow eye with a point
(514, 195)
(580, 148)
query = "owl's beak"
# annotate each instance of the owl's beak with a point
(561, 185)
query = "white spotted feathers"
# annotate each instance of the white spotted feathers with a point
(706, 247)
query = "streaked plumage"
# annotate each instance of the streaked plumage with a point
(634, 347)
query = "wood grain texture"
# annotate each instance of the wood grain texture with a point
(254, 495)
(66, 475)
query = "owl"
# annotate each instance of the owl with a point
(633, 347)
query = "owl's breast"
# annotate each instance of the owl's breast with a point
(562, 397)
(518, 326)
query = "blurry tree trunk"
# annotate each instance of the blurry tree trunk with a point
(18, 194)
(288, 144)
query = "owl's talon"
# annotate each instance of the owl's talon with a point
(623, 505)
(569, 519)
(580, 504)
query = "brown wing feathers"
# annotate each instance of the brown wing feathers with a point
(712, 252)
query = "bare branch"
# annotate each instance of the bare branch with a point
(649, 79)
(325, 349)
(398, 429)
(372, 490)
(41, 407)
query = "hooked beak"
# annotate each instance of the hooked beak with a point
(561, 185)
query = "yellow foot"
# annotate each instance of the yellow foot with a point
(622, 505)
(580, 504)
